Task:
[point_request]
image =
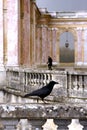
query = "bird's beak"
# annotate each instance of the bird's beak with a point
(57, 83)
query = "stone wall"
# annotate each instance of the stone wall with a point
(18, 113)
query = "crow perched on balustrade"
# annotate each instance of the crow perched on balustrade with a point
(44, 91)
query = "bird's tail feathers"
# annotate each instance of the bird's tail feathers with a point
(26, 95)
(30, 94)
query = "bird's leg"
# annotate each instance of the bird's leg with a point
(37, 100)
(43, 100)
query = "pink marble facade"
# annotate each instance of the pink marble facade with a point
(29, 40)
(12, 32)
(1, 32)
(46, 45)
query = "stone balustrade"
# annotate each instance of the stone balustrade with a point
(77, 83)
(26, 124)
(28, 80)
(71, 83)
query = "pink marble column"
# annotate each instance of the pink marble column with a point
(44, 44)
(38, 46)
(54, 40)
(79, 47)
(85, 46)
(49, 42)
(1, 33)
(26, 34)
(12, 32)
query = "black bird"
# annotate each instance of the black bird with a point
(44, 91)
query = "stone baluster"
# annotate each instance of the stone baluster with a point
(38, 78)
(10, 124)
(36, 124)
(21, 75)
(49, 125)
(80, 82)
(44, 80)
(13, 98)
(48, 78)
(23, 125)
(26, 80)
(37, 75)
(34, 78)
(31, 77)
(76, 85)
(83, 82)
(70, 81)
(62, 123)
(75, 125)
(2, 98)
(1, 125)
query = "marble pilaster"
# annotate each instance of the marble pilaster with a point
(3, 39)
(85, 46)
(4, 32)
(50, 42)
(12, 34)
(44, 44)
(39, 45)
(79, 46)
(54, 43)
(25, 46)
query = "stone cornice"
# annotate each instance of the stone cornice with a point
(42, 111)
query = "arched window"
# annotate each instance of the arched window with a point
(66, 48)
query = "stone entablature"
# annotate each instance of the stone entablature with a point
(72, 15)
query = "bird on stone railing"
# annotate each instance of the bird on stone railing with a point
(44, 91)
